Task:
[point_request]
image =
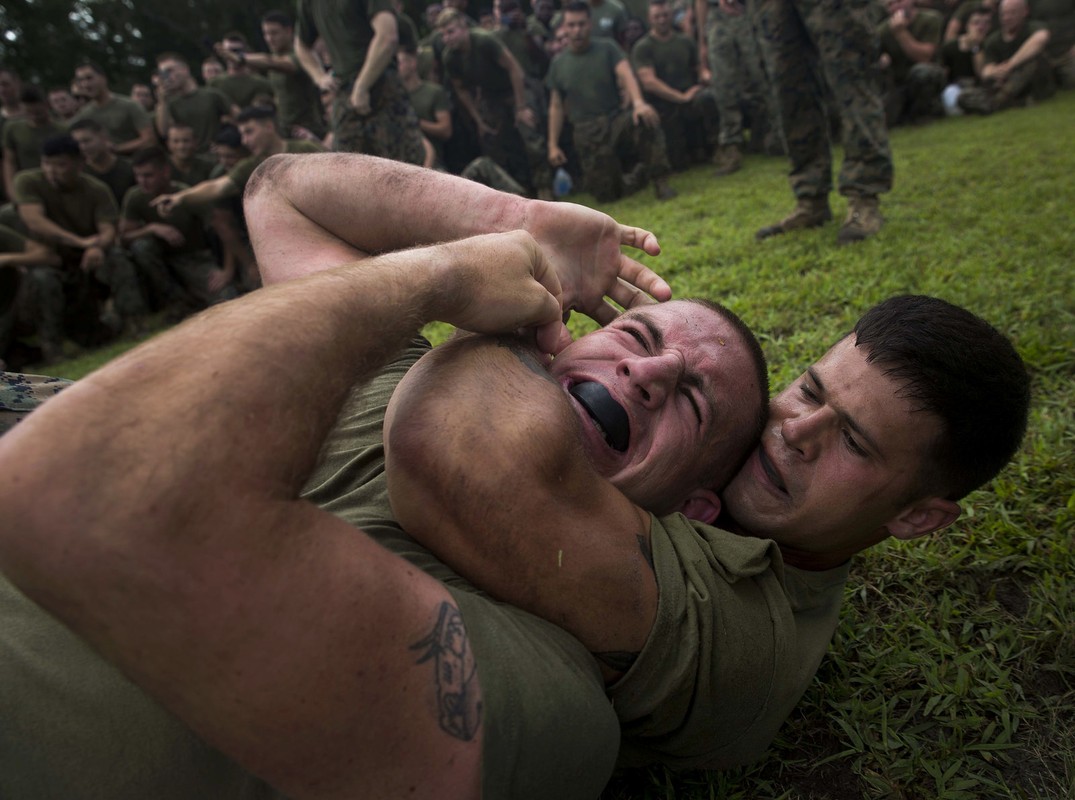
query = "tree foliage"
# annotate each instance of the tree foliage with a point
(45, 39)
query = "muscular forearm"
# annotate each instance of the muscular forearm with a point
(556, 121)
(309, 62)
(1030, 49)
(41, 227)
(658, 88)
(918, 52)
(381, 51)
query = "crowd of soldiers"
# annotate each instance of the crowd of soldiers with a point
(123, 209)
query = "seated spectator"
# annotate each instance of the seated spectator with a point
(187, 166)
(229, 237)
(17, 255)
(183, 102)
(910, 41)
(173, 255)
(1058, 16)
(24, 135)
(142, 93)
(76, 213)
(128, 125)
(239, 82)
(1012, 63)
(586, 81)
(62, 104)
(100, 161)
(957, 23)
(964, 92)
(667, 65)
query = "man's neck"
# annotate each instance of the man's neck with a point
(182, 164)
(412, 82)
(103, 98)
(662, 37)
(102, 162)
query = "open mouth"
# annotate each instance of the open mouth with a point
(608, 416)
(770, 471)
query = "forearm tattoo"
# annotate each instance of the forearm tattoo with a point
(458, 694)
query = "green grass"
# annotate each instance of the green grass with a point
(952, 674)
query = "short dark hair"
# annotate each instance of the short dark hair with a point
(171, 55)
(228, 136)
(260, 113)
(235, 36)
(62, 144)
(87, 124)
(149, 155)
(979, 9)
(87, 64)
(279, 17)
(31, 94)
(958, 367)
(578, 7)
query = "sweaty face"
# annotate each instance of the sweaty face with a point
(840, 457)
(666, 397)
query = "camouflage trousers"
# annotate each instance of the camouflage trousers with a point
(805, 44)
(689, 128)
(390, 129)
(177, 278)
(739, 80)
(519, 149)
(65, 299)
(605, 144)
(917, 97)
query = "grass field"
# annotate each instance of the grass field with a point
(952, 674)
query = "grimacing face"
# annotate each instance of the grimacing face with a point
(687, 393)
(839, 461)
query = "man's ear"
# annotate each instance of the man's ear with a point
(701, 505)
(924, 517)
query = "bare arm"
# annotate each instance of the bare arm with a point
(523, 113)
(356, 203)
(642, 111)
(40, 226)
(145, 138)
(204, 192)
(918, 52)
(35, 255)
(466, 99)
(532, 523)
(274, 629)
(655, 86)
(1030, 49)
(439, 128)
(381, 51)
(312, 65)
(556, 127)
(267, 62)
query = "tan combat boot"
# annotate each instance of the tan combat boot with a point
(809, 212)
(728, 160)
(863, 219)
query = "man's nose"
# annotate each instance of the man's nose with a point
(806, 433)
(652, 378)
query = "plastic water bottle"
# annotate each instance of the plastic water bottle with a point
(561, 183)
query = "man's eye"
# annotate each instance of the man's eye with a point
(853, 446)
(694, 403)
(809, 393)
(638, 337)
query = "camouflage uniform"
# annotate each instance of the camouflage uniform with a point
(601, 140)
(20, 394)
(487, 172)
(389, 130)
(738, 78)
(807, 43)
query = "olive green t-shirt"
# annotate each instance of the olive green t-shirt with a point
(298, 101)
(188, 219)
(608, 19)
(201, 110)
(242, 171)
(1059, 17)
(77, 210)
(242, 89)
(478, 68)
(345, 27)
(118, 178)
(521, 44)
(11, 241)
(200, 169)
(587, 81)
(25, 141)
(429, 98)
(121, 117)
(737, 640)
(927, 27)
(674, 61)
(997, 51)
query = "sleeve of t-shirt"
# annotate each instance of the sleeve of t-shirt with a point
(375, 7)
(440, 100)
(104, 204)
(130, 210)
(11, 241)
(242, 171)
(932, 30)
(28, 190)
(223, 102)
(139, 117)
(642, 54)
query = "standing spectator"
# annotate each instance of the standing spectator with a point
(17, 255)
(808, 44)
(142, 94)
(127, 123)
(490, 86)
(182, 101)
(187, 166)
(586, 79)
(212, 68)
(24, 136)
(1012, 63)
(539, 23)
(239, 83)
(733, 65)
(608, 18)
(10, 108)
(61, 206)
(99, 160)
(910, 39)
(669, 70)
(372, 113)
(62, 103)
(172, 254)
(298, 105)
